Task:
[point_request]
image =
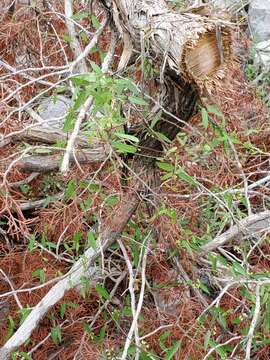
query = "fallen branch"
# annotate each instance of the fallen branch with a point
(46, 135)
(74, 42)
(127, 207)
(135, 309)
(46, 163)
(25, 181)
(253, 322)
(71, 142)
(250, 225)
(37, 204)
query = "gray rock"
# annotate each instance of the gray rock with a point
(262, 57)
(53, 111)
(228, 4)
(259, 19)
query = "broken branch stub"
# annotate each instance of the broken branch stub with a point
(196, 46)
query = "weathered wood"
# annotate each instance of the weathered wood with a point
(45, 135)
(46, 163)
(249, 226)
(197, 47)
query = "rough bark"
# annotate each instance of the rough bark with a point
(48, 135)
(196, 46)
(46, 163)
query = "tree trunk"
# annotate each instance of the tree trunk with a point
(196, 46)
(194, 50)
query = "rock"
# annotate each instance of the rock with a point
(53, 111)
(259, 19)
(262, 57)
(227, 4)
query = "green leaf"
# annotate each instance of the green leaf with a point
(91, 241)
(207, 148)
(84, 37)
(67, 38)
(40, 274)
(182, 174)
(96, 24)
(70, 190)
(127, 311)
(84, 79)
(166, 166)
(116, 315)
(24, 312)
(96, 68)
(213, 259)
(206, 339)
(85, 286)
(137, 100)
(162, 339)
(205, 119)
(155, 120)
(203, 287)
(80, 15)
(220, 350)
(90, 77)
(163, 137)
(64, 306)
(214, 110)
(21, 355)
(56, 335)
(101, 335)
(223, 320)
(32, 242)
(167, 176)
(127, 137)
(112, 200)
(69, 121)
(103, 293)
(238, 269)
(172, 350)
(11, 328)
(124, 148)
(79, 101)
(131, 86)
(86, 204)
(237, 320)
(42, 151)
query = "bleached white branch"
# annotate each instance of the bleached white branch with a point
(220, 345)
(140, 302)
(248, 226)
(71, 279)
(253, 322)
(71, 142)
(74, 42)
(12, 287)
(81, 57)
(132, 292)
